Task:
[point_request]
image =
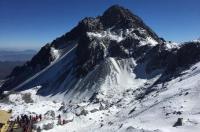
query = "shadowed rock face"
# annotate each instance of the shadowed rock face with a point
(189, 53)
(184, 56)
(117, 33)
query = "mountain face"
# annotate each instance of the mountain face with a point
(117, 33)
(98, 52)
(110, 73)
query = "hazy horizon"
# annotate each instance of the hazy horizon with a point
(31, 24)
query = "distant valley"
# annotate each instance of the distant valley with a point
(10, 59)
(8, 55)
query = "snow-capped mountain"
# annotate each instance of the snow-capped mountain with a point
(118, 72)
(67, 62)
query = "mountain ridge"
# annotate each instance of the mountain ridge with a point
(79, 33)
(90, 43)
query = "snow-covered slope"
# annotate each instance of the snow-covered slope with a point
(120, 109)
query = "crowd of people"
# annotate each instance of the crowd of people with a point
(25, 122)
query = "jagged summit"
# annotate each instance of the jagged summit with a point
(114, 18)
(116, 15)
(119, 17)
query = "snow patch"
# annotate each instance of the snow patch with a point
(109, 35)
(148, 40)
(55, 53)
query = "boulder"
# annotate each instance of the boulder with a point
(179, 122)
(48, 126)
(94, 110)
(50, 114)
(80, 112)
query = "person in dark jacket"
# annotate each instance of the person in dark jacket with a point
(40, 117)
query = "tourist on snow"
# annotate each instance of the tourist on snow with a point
(40, 116)
(64, 121)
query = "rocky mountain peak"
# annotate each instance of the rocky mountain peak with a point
(119, 17)
(116, 15)
(117, 33)
(115, 18)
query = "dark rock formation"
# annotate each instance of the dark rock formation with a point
(179, 122)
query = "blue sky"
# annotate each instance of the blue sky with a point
(30, 24)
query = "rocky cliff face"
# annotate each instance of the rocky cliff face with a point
(115, 44)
